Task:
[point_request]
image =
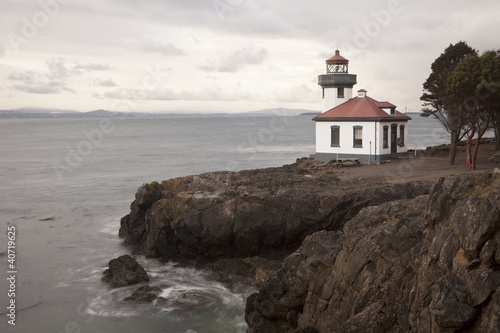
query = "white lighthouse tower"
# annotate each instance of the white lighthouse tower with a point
(356, 129)
(337, 83)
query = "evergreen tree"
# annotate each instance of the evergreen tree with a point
(473, 90)
(435, 96)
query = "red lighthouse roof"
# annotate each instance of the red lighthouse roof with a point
(337, 59)
(361, 109)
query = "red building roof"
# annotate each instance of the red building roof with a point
(361, 109)
(337, 59)
(385, 105)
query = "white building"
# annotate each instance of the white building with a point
(358, 127)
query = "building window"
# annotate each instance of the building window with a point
(393, 111)
(335, 136)
(323, 93)
(386, 137)
(402, 135)
(358, 137)
(340, 92)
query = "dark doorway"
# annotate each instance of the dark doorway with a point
(394, 139)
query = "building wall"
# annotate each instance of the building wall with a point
(323, 137)
(380, 137)
(331, 100)
(369, 153)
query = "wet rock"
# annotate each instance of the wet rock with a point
(52, 218)
(144, 294)
(252, 270)
(193, 299)
(124, 271)
(229, 271)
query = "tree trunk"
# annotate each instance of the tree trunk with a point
(453, 147)
(497, 131)
(476, 150)
(469, 166)
(468, 158)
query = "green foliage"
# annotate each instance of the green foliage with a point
(463, 81)
(435, 97)
(473, 89)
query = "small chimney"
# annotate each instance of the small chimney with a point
(362, 93)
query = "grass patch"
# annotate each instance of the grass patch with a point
(484, 191)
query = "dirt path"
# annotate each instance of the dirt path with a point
(414, 168)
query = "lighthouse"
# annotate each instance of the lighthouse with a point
(337, 83)
(356, 128)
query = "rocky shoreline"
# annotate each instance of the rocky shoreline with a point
(334, 256)
(428, 264)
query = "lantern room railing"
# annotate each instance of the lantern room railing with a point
(329, 79)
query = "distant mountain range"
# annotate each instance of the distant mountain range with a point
(32, 112)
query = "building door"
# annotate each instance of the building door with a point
(394, 139)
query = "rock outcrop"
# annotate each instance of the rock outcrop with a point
(124, 271)
(144, 294)
(427, 264)
(241, 214)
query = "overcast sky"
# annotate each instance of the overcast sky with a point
(225, 55)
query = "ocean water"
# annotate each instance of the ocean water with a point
(65, 184)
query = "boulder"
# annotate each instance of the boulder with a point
(124, 271)
(451, 308)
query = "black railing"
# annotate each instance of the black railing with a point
(326, 79)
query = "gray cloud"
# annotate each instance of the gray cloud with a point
(271, 37)
(60, 69)
(297, 94)
(92, 67)
(241, 58)
(163, 48)
(56, 78)
(27, 77)
(167, 94)
(43, 88)
(241, 18)
(126, 94)
(235, 61)
(104, 83)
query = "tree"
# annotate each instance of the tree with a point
(496, 125)
(491, 83)
(435, 96)
(474, 90)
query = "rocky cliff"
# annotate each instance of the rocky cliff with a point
(411, 257)
(428, 264)
(246, 213)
